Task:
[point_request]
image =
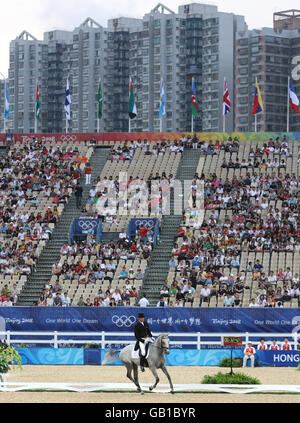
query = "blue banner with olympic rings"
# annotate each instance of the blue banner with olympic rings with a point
(148, 223)
(160, 319)
(85, 225)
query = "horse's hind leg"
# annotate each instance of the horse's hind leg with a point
(164, 369)
(136, 378)
(129, 370)
(154, 372)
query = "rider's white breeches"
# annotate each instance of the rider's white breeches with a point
(142, 348)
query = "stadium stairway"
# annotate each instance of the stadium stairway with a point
(51, 252)
(3, 152)
(158, 268)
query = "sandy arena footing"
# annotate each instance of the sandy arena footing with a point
(117, 374)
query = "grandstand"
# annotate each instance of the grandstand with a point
(246, 248)
(36, 186)
(282, 256)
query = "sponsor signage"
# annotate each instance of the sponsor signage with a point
(278, 358)
(100, 137)
(180, 320)
(232, 341)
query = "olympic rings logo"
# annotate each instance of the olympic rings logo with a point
(121, 321)
(68, 138)
(85, 224)
(145, 223)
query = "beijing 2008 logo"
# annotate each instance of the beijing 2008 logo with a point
(123, 321)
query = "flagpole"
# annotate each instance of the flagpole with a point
(192, 120)
(223, 107)
(129, 120)
(288, 108)
(162, 103)
(98, 109)
(255, 118)
(67, 123)
(35, 120)
(4, 120)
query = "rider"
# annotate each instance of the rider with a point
(142, 333)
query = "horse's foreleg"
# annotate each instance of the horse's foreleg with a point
(164, 369)
(136, 378)
(154, 372)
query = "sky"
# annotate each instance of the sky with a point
(37, 17)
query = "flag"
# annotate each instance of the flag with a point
(100, 100)
(226, 100)
(293, 98)
(6, 110)
(258, 104)
(162, 108)
(37, 102)
(194, 100)
(68, 102)
(132, 106)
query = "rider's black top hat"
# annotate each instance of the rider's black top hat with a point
(141, 315)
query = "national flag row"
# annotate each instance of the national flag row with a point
(257, 104)
(292, 97)
(132, 109)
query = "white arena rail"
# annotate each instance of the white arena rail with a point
(198, 339)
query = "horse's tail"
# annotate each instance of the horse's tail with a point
(110, 357)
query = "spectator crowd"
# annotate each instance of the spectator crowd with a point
(254, 211)
(35, 182)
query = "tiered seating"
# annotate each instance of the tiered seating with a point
(75, 290)
(284, 254)
(37, 181)
(142, 167)
(241, 228)
(141, 163)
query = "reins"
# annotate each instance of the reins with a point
(160, 348)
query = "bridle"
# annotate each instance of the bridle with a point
(160, 343)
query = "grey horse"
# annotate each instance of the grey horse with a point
(156, 360)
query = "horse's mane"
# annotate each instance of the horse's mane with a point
(158, 339)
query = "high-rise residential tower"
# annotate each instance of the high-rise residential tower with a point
(267, 55)
(196, 42)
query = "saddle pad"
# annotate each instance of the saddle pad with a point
(136, 354)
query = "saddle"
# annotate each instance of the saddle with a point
(137, 353)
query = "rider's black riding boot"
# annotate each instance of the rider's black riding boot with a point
(142, 362)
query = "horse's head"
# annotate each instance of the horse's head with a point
(164, 343)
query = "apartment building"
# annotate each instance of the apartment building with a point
(52, 87)
(28, 61)
(196, 42)
(2, 103)
(266, 55)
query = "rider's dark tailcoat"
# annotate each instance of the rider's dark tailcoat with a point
(142, 331)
